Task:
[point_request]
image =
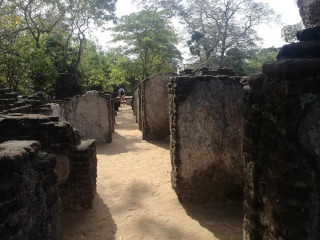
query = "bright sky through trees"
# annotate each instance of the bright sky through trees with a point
(271, 33)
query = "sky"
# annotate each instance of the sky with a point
(289, 12)
(271, 33)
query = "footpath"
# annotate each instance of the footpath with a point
(135, 201)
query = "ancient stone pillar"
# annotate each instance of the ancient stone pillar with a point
(76, 162)
(206, 132)
(91, 114)
(155, 106)
(139, 108)
(281, 146)
(310, 12)
(29, 200)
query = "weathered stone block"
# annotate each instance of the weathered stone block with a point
(78, 191)
(309, 12)
(206, 133)
(58, 138)
(281, 151)
(29, 202)
(155, 106)
(91, 114)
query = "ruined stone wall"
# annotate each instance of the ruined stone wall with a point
(139, 108)
(29, 201)
(135, 104)
(155, 106)
(206, 131)
(10, 102)
(79, 189)
(310, 12)
(76, 160)
(112, 116)
(281, 148)
(91, 114)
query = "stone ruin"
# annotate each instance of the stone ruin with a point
(49, 153)
(29, 201)
(76, 159)
(48, 158)
(91, 114)
(150, 106)
(310, 12)
(281, 145)
(137, 106)
(206, 114)
(10, 102)
(153, 107)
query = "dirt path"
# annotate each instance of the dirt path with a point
(135, 201)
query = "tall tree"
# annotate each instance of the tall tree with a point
(57, 29)
(149, 40)
(217, 26)
(224, 25)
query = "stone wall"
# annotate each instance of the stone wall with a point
(91, 114)
(310, 12)
(206, 130)
(76, 160)
(135, 104)
(29, 201)
(138, 104)
(155, 106)
(281, 147)
(79, 189)
(10, 102)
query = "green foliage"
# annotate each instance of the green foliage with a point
(93, 68)
(40, 39)
(258, 58)
(42, 71)
(150, 42)
(289, 32)
(218, 26)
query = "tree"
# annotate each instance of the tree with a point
(258, 58)
(224, 25)
(217, 26)
(44, 38)
(81, 15)
(289, 32)
(150, 41)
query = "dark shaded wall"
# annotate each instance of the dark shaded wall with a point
(206, 133)
(310, 12)
(76, 159)
(29, 201)
(281, 148)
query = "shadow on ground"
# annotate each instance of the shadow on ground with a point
(133, 196)
(223, 220)
(93, 224)
(161, 143)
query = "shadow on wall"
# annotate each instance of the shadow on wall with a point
(83, 224)
(223, 220)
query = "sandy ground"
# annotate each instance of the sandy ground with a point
(135, 200)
